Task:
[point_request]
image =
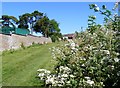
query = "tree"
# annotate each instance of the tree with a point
(49, 28)
(37, 15)
(54, 32)
(9, 20)
(27, 18)
(24, 20)
(54, 26)
(37, 22)
(42, 26)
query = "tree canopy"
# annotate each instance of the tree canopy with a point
(8, 20)
(35, 21)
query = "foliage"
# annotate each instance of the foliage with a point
(54, 26)
(35, 21)
(27, 18)
(8, 20)
(91, 61)
(42, 26)
(40, 23)
(92, 24)
(23, 21)
(49, 28)
(22, 45)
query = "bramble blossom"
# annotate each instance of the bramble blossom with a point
(90, 82)
(97, 9)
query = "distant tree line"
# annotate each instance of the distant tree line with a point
(36, 21)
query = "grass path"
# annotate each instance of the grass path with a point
(19, 68)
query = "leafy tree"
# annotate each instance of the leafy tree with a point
(23, 20)
(49, 28)
(27, 18)
(54, 26)
(54, 31)
(37, 22)
(9, 20)
(42, 26)
(38, 15)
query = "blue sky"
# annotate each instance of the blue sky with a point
(71, 15)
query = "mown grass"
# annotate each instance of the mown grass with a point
(19, 67)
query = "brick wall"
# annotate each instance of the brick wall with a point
(14, 41)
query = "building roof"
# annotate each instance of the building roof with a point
(69, 35)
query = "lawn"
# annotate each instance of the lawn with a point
(19, 68)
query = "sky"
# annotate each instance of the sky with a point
(71, 16)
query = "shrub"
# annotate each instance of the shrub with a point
(91, 61)
(22, 46)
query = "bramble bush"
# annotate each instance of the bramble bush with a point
(91, 60)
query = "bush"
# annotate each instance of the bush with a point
(91, 61)
(89, 64)
(22, 46)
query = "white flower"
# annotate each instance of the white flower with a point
(41, 75)
(118, 73)
(61, 68)
(64, 69)
(62, 79)
(101, 83)
(59, 76)
(50, 81)
(88, 78)
(67, 69)
(117, 53)
(95, 34)
(90, 82)
(60, 85)
(73, 44)
(106, 51)
(41, 70)
(49, 76)
(72, 76)
(97, 9)
(48, 72)
(94, 17)
(115, 6)
(83, 59)
(91, 47)
(95, 5)
(116, 59)
(64, 75)
(44, 71)
(73, 48)
(83, 65)
(112, 66)
(68, 82)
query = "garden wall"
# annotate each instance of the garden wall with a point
(14, 41)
